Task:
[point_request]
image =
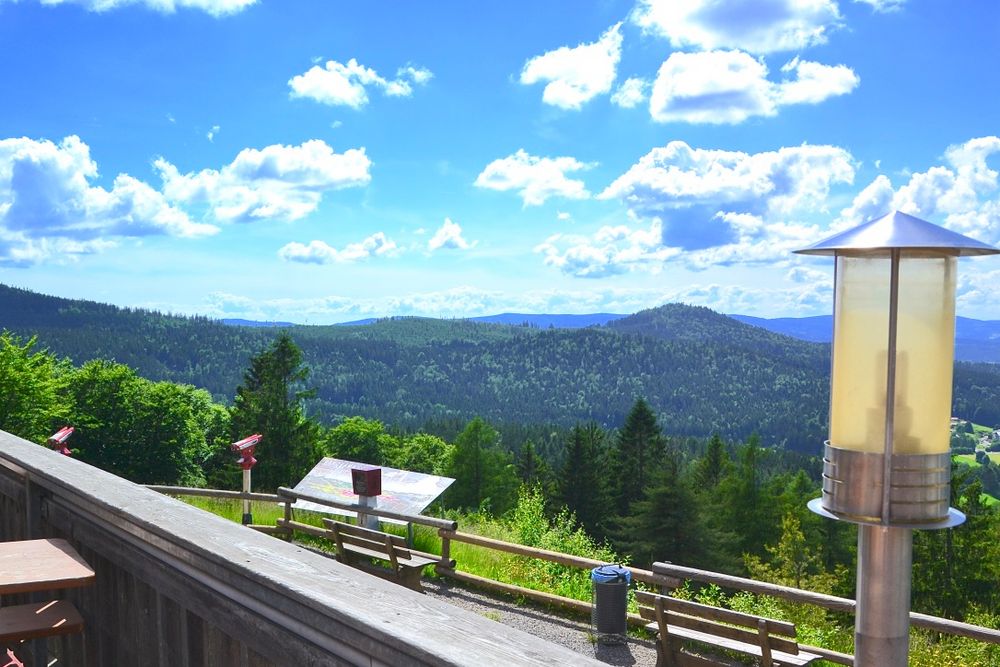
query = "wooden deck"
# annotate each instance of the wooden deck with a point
(176, 586)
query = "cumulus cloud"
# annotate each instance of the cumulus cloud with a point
(731, 86)
(612, 250)
(535, 178)
(213, 7)
(48, 207)
(576, 75)
(695, 186)
(961, 194)
(339, 84)
(276, 182)
(449, 237)
(631, 93)
(319, 252)
(757, 26)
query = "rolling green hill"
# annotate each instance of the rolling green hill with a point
(700, 370)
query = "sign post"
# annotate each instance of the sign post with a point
(367, 484)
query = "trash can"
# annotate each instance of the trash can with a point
(610, 602)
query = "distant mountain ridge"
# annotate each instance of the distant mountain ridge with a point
(975, 340)
(701, 371)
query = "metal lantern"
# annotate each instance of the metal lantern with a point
(887, 464)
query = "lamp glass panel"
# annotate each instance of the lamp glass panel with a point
(924, 352)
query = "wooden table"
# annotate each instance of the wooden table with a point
(41, 565)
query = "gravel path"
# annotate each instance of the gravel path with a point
(570, 631)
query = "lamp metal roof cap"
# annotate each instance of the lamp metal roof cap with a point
(899, 230)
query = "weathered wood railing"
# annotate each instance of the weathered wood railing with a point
(179, 587)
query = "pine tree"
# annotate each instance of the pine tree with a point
(710, 468)
(638, 452)
(269, 402)
(666, 523)
(582, 478)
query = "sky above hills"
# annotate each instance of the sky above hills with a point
(317, 161)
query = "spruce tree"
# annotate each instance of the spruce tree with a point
(638, 452)
(484, 474)
(582, 478)
(269, 402)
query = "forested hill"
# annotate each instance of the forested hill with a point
(700, 370)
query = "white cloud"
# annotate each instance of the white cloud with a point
(338, 84)
(612, 250)
(963, 194)
(213, 7)
(631, 93)
(535, 178)
(564, 216)
(211, 133)
(731, 86)
(678, 180)
(884, 6)
(319, 252)
(578, 74)
(48, 207)
(757, 26)
(449, 236)
(814, 82)
(279, 182)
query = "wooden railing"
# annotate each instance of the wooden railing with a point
(177, 586)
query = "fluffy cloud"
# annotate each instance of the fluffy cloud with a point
(731, 86)
(48, 207)
(695, 186)
(319, 252)
(468, 301)
(612, 250)
(578, 74)
(449, 236)
(339, 84)
(631, 93)
(962, 194)
(213, 7)
(757, 26)
(280, 182)
(535, 178)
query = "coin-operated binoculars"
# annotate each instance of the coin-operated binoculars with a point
(245, 449)
(57, 441)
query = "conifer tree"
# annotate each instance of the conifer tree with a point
(710, 468)
(269, 402)
(582, 478)
(638, 452)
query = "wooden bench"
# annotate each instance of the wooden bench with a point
(773, 642)
(357, 546)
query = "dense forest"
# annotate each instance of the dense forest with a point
(634, 493)
(701, 372)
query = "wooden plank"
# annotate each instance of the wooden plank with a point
(754, 649)
(39, 619)
(367, 533)
(41, 565)
(214, 493)
(433, 522)
(693, 608)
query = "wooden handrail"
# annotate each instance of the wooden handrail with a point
(830, 602)
(284, 492)
(215, 493)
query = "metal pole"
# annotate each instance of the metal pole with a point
(247, 516)
(882, 623)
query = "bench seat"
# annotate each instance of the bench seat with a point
(356, 544)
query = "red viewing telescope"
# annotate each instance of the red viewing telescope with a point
(245, 449)
(57, 440)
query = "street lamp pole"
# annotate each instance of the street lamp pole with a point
(887, 464)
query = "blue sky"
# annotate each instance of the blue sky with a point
(319, 161)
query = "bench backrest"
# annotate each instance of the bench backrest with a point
(768, 633)
(393, 546)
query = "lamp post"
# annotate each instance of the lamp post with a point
(887, 464)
